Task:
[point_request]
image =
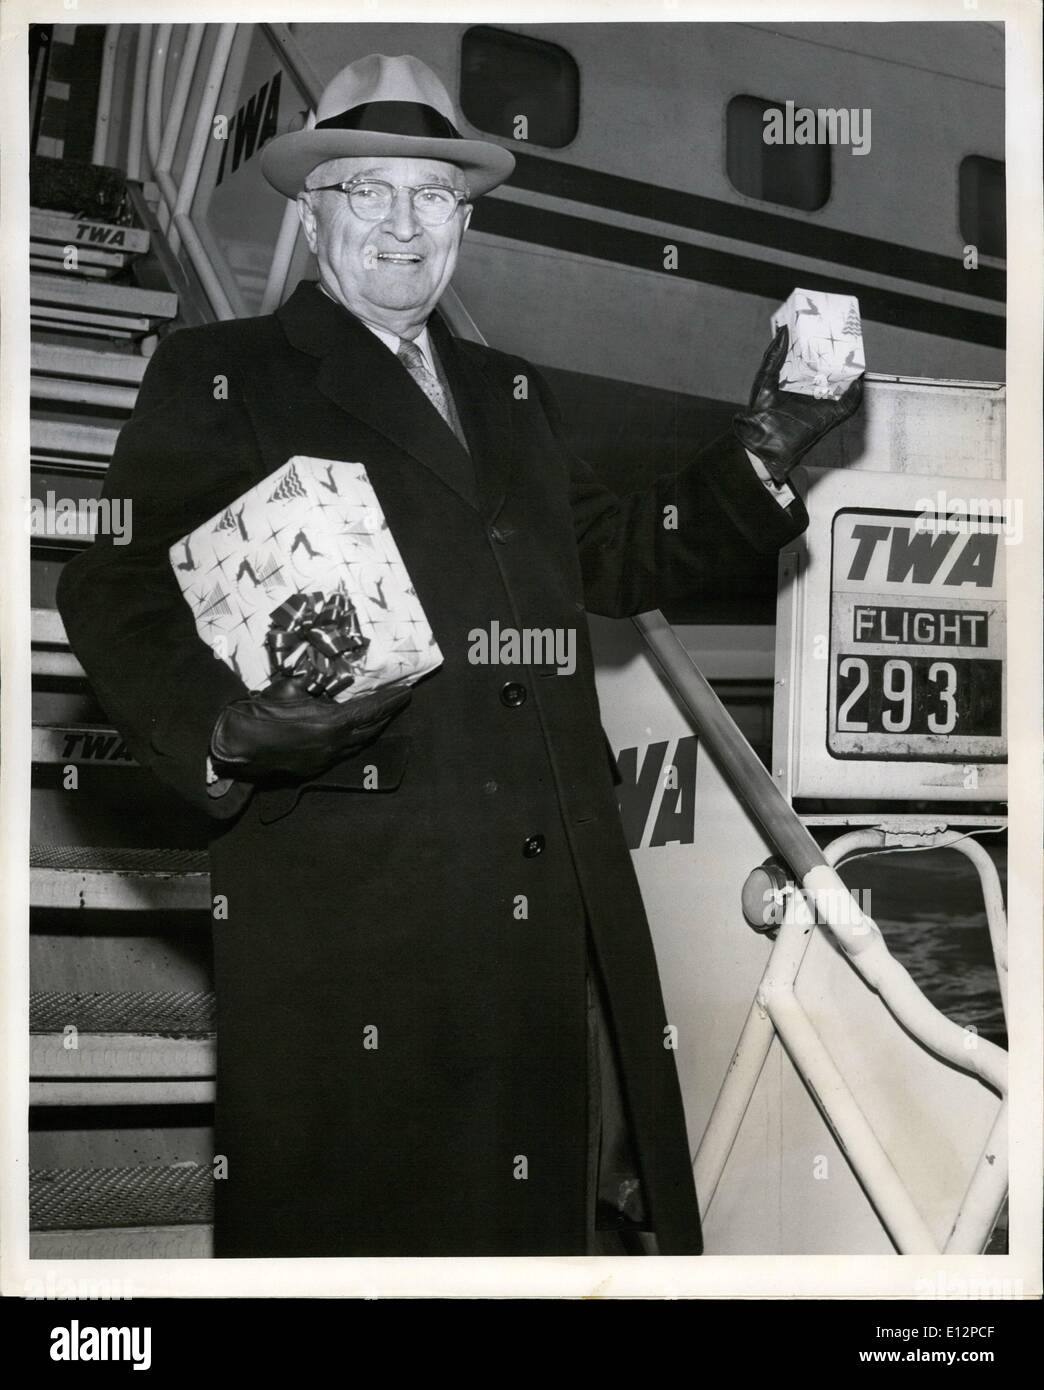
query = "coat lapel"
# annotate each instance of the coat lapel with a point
(484, 409)
(358, 374)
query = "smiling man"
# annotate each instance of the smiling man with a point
(386, 250)
(440, 1022)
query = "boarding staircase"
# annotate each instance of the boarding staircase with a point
(121, 1012)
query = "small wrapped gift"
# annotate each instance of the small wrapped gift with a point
(826, 343)
(301, 576)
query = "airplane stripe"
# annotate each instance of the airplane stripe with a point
(774, 230)
(644, 250)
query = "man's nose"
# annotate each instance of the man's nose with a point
(402, 220)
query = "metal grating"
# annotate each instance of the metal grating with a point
(114, 859)
(85, 1198)
(172, 1013)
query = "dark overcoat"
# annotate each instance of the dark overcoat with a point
(400, 977)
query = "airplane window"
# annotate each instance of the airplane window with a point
(797, 176)
(508, 78)
(982, 205)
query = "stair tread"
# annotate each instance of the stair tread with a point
(116, 859)
(165, 1013)
(47, 224)
(80, 743)
(99, 296)
(47, 628)
(59, 436)
(186, 1242)
(143, 1195)
(113, 397)
(89, 364)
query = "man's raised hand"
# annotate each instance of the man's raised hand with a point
(781, 426)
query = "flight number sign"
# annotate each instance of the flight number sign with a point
(917, 637)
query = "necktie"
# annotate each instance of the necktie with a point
(410, 355)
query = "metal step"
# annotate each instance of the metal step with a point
(79, 376)
(64, 744)
(94, 302)
(59, 229)
(43, 388)
(84, 448)
(129, 1243)
(50, 319)
(132, 1048)
(181, 1013)
(48, 629)
(107, 878)
(104, 1093)
(69, 1199)
(94, 272)
(85, 364)
(51, 654)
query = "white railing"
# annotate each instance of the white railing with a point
(777, 1012)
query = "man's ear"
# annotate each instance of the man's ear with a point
(306, 213)
(469, 208)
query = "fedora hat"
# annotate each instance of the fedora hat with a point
(391, 107)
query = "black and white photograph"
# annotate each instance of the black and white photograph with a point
(510, 684)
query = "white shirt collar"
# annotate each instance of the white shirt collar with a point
(392, 340)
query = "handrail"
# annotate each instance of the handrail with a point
(182, 227)
(103, 116)
(297, 63)
(776, 1012)
(154, 100)
(875, 1170)
(286, 245)
(172, 129)
(856, 933)
(752, 782)
(136, 125)
(162, 138)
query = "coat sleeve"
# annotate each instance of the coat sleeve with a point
(187, 451)
(695, 532)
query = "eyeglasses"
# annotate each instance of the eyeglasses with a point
(372, 199)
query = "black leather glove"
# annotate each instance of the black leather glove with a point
(283, 731)
(780, 426)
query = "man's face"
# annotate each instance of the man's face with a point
(391, 272)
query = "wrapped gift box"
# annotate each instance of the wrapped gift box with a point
(826, 343)
(302, 574)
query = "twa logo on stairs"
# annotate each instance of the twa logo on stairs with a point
(658, 798)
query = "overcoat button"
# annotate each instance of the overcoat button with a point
(499, 534)
(513, 695)
(533, 845)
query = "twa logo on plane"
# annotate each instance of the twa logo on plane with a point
(658, 795)
(253, 125)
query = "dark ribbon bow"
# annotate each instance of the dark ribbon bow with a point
(317, 639)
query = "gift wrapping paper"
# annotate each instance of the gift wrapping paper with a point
(826, 343)
(301, 575)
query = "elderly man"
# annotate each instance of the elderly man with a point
(440, 1024)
